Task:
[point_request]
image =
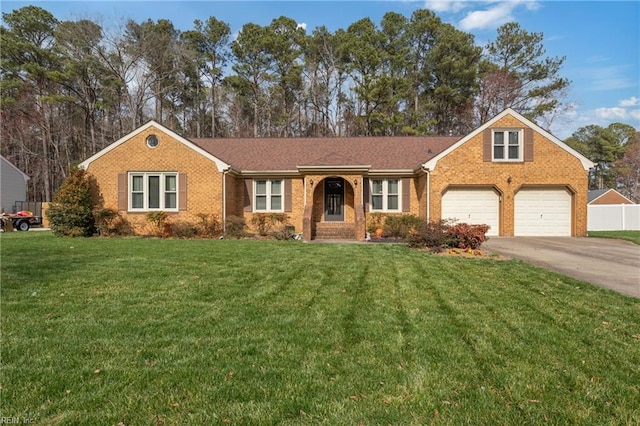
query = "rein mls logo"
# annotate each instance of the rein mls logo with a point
(15, 420)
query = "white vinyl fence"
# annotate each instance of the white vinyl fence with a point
(615, 217)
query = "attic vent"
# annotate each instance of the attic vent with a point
(429, 151)
(152, 141)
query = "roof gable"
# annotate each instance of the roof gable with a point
(596, 194)
(221, 165)
(586, 163)
(15, 168)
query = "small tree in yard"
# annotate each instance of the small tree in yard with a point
(71, 212)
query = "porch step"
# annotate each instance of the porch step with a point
(334, 231)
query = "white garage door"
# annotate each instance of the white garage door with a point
(473, 206)
(543, 212)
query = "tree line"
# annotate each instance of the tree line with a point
(70, 88)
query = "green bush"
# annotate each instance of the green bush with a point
(71, 212)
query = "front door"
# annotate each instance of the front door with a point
(334, 199)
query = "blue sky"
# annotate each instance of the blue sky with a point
(600, 39)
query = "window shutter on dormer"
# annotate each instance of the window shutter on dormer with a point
(528, 144)
(248, 194)
(287, 195)
(486, 145)
(123, 199)
(182, 192)
(406, 194)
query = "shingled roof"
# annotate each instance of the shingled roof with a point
(287, 154)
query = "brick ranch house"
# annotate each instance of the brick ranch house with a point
(509, 173)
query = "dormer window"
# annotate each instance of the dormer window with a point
(507, 144)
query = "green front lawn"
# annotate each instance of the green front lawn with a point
(633, 236)
(149, 331)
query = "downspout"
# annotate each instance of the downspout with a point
(426, 171)
(224, 200)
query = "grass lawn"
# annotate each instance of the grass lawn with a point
(149, 331)
(633, 236)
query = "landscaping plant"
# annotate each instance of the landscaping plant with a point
(71, 212)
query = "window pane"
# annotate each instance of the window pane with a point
(498, 138)
(261, 202)
(137, 200)
(137, 183)
(154, 192)
(276, 202)
(513, 152)
(261, 187)
(392, 186)
(498, 152)
(513, 138)
(170, 183)
(376, 202)
(170, 200)
(276, 187)
(376, 187)
(392, 202)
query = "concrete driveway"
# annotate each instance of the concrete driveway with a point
(614, 264)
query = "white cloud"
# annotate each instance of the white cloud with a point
(632, 101)
(445, 5)
(491, 18)
(635, 114)
(611, 113)
(302, 25)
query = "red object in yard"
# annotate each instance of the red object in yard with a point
(21, 221)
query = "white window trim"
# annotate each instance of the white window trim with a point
(506, 158)
(268, 195)
(385, 195)
(145, 186)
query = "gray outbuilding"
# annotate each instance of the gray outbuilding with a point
(13, 185)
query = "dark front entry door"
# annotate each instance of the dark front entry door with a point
(334, 199)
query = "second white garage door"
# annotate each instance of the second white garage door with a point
(473, 206)
(543, 212)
